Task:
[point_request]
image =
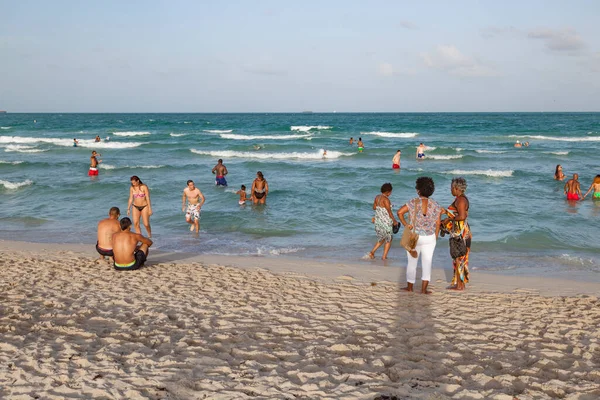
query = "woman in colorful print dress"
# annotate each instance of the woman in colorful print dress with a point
(457, 224)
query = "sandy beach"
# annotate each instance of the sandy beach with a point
(194, 327)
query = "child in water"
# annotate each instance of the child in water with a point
(243, 198)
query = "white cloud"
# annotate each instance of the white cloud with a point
(387, 69)
(566, 40)
(448, 58)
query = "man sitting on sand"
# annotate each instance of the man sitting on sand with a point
(127, 255)
(106, 229)
(572, 188)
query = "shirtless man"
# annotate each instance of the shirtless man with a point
(396, 160)
(128, 256)
(421, 151)
(195, 200)
(360, 145)
(94, 164)
(106, 228)
(518, 144)
(572, 189)
(97, 138)
(351, 141)
(221, 171)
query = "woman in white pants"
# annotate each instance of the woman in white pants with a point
(424, 214)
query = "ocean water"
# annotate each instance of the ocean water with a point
(317, 207)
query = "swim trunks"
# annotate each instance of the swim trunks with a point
(193, 211)
(104, 252)
(572, 196)
(137, 263)
(241, 202)
(360, 149)
(220, 181)
(596, 195)
(421, 155)
(93, 171)
(395, 166)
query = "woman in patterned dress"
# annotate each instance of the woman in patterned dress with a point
(384, 221)
(457, 224)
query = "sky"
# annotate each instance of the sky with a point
(284, 56)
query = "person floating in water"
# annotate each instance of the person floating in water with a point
(595, 186)
(97, 138)
(94, 164)
(195, 200)
(75, 142)
(242, 193)
(221, 171)
(572, 188)
(421, 151)
(396, 160)
(518, 144)
(361, 145)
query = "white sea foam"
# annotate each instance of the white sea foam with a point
(489, 172)
(68, 142)
(560, 139)
(218, 130)
(432, 148)
(392, 134)
(233, 136)
(11, 162)
(11, 185)
(272, 156)
(444, 157)
(134, 133)
(5, 127)
(305, 128)
(108, 166)
(186, 122)
(22, 149)
(276, 252)
(459, 149)
(490, 151)
(177, 134)
(558, 153)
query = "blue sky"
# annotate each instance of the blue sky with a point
(278, 56)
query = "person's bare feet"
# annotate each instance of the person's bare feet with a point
(371, 255)
(408, 288)
(424, 288)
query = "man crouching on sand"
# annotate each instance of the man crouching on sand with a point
(127, 254)
(106, 228)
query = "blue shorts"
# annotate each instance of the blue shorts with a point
(220, 181)
(421, 155)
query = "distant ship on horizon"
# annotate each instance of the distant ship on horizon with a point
(307, 112)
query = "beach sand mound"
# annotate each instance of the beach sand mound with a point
(70, 327)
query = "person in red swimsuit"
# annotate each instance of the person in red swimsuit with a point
(572, 188)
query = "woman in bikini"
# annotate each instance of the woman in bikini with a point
(260, 189)
(558, 173)
(139, 198)
(595, 186)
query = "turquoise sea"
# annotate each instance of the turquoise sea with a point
(317, 207)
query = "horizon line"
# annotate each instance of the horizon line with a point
(4, 112)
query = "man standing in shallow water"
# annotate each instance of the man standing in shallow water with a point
(94, 164)
(396, 160)
(572, 188)
(106, 229)
(221, 171)
(421, 151)
(195, 200)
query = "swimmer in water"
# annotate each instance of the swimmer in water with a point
(242, 193)
(75, 142)
(595, 186)
(396, 160)
(421, 151)
(351, 141)
(324, 153)
(360, 145)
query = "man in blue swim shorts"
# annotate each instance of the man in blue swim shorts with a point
(221, 171)
(421, 152)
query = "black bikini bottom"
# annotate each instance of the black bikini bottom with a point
(259, 195)
(140, 208)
